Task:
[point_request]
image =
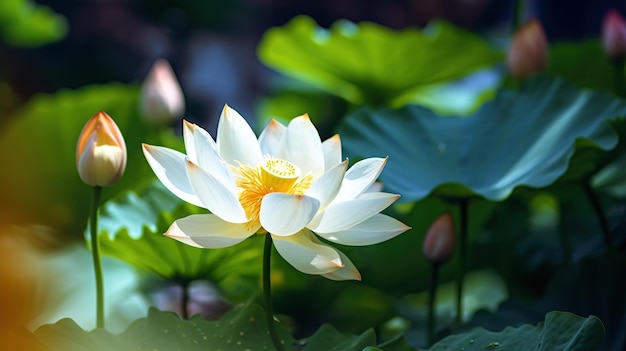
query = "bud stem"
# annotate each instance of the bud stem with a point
(463, 209)
(95, 251)
(604, 223)
(518, 12)
(267, 292)
(432, 294)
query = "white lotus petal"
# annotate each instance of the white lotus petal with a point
(339, 216)
(270, 138)
(373, 230)
(347, 272)
(301, 145)
(206, 153)
(285, 214)
(208, 231)
(217, 197)
(169, 167)
(307, 254)
(190, 147)
(236, 141)
(332, 151)
(359, 177)
(325, 188)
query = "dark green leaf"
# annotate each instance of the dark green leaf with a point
(561, 331)
(522, 137)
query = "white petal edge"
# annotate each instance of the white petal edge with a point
(326, 187)
(221, 199)
(347, 272)
(373, 230)
(307, 254)
(286, 214)
(302, 146)
(271, 137)
(170, 167)
(332, 151)
(190, 147)
(360, 177)
(205, 153)
(340, 216)
(236, 142)
(208, 231)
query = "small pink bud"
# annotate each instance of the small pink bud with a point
(162, 99)
(440, 240)
(101, 151)
(528, 53)
(614, 34)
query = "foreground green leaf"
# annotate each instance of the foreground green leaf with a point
(522, 137)
(368, 63)
(561, 331)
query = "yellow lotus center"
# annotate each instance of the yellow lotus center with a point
(273, 175)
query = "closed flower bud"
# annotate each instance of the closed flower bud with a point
(440, 240)
(528, 53)
(614, 34)
(162, 99)
(101, 151)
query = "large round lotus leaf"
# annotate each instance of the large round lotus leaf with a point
(131, 228)
(522, 137)
(368, 63)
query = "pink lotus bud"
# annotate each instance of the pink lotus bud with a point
(101, 151)
(162, 99)
(614, 34)
(528, 53)
(439, 242)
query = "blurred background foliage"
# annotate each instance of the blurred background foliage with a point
(539, 163)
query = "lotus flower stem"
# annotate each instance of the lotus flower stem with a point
(566, 245)
(267, 292)
(597, 208)
(95, 251)
(619, 78)
(432, 294)
(463, 223)
(184, 299)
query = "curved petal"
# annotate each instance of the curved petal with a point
(208, 231)
(270, 138)
(285, 214)
(332, 151)
(359, 177)
(217, 197)
(373, 230)
(205, 153)
(347, 272)
(236, 141)
(307, 254)
(302, 146)
(325, 188)
(169, 166)
(339, 216)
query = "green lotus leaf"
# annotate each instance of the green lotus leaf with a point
(368, 63)
(242, 328)
(23, 23)
(561, 331)
(522, 137)
(40, 183)
(131, 228)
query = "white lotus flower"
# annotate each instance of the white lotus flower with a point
(288, 183)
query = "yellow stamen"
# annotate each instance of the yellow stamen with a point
(273, 175)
